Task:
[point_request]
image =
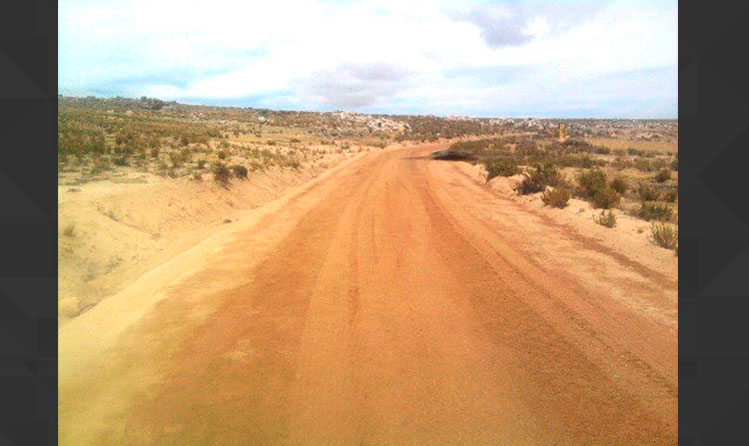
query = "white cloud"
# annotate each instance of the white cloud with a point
(384, 55)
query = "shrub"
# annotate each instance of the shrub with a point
(632, 151)
(601, 150)
(221, 174)
(663, 176)
(155, 152)
(605, 198)
(186, 154)
(121, 161)
(500, 168)
(607, 218)
(647, 193)
(201, 164)
(621, 163)
(222, 154)
(619, 184)
(197, 176)
(547, 173)
(100, 165)
(239, 171)
(654, 211)
(593, 186)
(671, 195)
(591, 182)
(256, 165)
(177, 158)
(643, 165)
(541, 176)
(557, 197)
(529, 185)
(665, 236)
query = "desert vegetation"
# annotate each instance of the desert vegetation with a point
(105, 138)
(630, 174)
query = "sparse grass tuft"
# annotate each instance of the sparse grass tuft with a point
(665, 235)
(607, 218)
(69, 230)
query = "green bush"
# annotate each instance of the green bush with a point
(177, 158)
(643, 165)
(594, 187)
(663, 175)
(665, 236)
(100, 165)
(620, 185)
(557, 197)
(221, 174)
(591, 182)
(634, 152)
(605, 198)
(239, 171)
(536, 181)
(121, 161)
(607, 218)
(529, 185)
(500, 168)
(671, 195)
(647, 193)
(621, 163)
(655, 211)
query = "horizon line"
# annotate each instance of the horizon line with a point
(197, 104)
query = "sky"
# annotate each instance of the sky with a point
(513, 58)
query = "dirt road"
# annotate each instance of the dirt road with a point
(394, 301)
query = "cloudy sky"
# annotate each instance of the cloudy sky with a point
(574, 58)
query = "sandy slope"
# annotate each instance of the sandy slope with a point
(132, 222)
(392, 301)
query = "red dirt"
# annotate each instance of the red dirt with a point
(398, 307)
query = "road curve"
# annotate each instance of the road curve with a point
(385, 305)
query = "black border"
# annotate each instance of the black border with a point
(714, 223)
(28, 222)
